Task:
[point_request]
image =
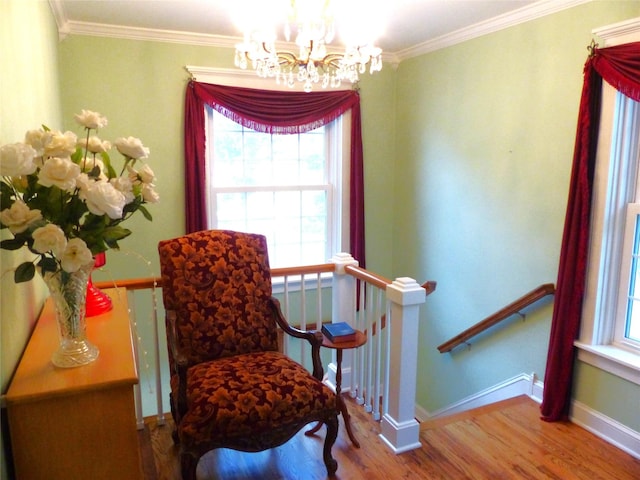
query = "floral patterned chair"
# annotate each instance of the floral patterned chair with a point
(230, 386)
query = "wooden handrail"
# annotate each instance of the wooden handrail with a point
(304, 269)
(515, 307)
(361, 274)
(429, 286)
(130, 283)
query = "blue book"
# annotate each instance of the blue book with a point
(338, 332)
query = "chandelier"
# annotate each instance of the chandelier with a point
(313, 25)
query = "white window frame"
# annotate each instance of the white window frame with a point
(614, 189)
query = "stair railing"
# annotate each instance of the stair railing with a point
(506, 312)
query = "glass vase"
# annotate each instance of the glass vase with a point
(69, 294)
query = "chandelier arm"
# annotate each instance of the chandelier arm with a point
(287, 58)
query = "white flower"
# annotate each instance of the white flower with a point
(149, 194)
(75, 255)
(37, 139)
(18, 217)
(124, 185)
(144, 174)
(104, 199)
(49, 238)
(132, 147)
(94, 144)
(61, 172)
(83, 183)
(92, 120)
(17, 159)
(58, 144)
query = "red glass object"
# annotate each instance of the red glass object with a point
(97, 301)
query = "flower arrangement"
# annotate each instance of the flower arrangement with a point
(61, 197)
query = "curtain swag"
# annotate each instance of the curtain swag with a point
(620, 67)
(269, 112)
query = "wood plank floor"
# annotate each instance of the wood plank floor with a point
(502, 441)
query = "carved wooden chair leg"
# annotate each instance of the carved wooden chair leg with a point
(188, 464)
(330, 438)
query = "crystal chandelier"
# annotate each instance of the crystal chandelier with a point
(313, 24)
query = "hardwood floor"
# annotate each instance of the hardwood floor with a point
(502, 441)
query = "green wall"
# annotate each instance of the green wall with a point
(29, 97)
(485, 133)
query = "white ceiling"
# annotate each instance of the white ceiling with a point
(411, 27)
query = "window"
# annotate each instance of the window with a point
(621, 210)
(609, 327)
(286, 187)
(627, 331)
(611, 316)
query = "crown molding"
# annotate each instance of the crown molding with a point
(522, 15)
(536, 10)
(618, 32)
(150, 34)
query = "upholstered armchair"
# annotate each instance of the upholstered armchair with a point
(230, 386)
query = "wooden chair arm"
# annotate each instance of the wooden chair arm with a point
(314, 337)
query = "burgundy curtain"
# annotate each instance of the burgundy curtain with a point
(619, 66)
(269, 112)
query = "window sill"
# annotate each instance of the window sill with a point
(617, 361)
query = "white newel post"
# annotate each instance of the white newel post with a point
(343, 307)
(400, 429)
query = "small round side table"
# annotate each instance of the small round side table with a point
(339, 347)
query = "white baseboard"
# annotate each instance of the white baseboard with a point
(606, 428)
(602, 426)
(523, 384)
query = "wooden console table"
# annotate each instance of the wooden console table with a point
(69, 423)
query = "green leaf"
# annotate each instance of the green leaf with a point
(6, 196)
(95, 172)
(48, 264)
(12, 243)
(146, 213)
(24, 272)
(77, 156)
(115, 233)
(111, 173)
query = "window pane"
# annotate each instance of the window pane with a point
(286, 167)
(230, 206)
(220, 123)
(632, 327)
(312, 155)
(227, 154)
